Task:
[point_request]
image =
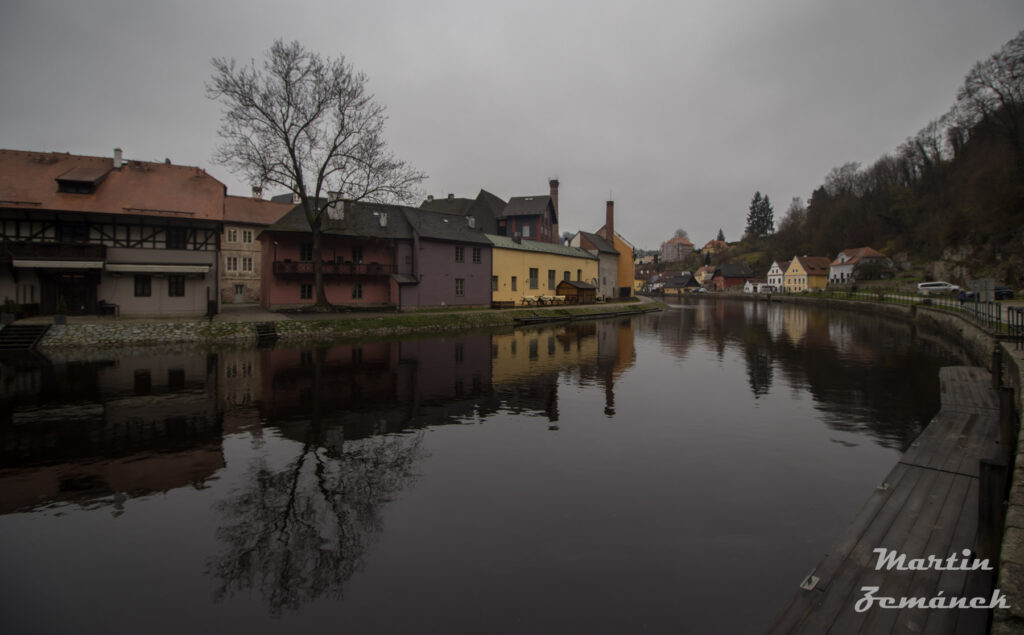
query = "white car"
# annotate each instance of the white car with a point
(935, 288)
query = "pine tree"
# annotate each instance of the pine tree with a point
(760, 218)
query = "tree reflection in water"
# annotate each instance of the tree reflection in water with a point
(298, 533)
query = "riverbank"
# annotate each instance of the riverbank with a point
(239, 327)
(1005, 359)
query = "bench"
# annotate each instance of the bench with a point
(530, 300)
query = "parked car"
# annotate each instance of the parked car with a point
(936, 288)
(1004, 293)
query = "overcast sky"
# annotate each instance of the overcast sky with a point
(679, 111)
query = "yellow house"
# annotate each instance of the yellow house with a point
(806, 273)
(531, 268)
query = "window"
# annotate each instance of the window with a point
(232, 235)
(239, 290)
(246, 264)
(231, 263)
(460, 287)
(513, 283)
(494, 283)
(526, 231)
(551, 278)
(566, 276)
(176, 286)
(476, 255)
(357, 291)
(459, 255)
(306, 252)
(176, 238)
(143, 286)
(357, 253)
(246, 235)
(533, 278)
(579, 275)
(306, 292)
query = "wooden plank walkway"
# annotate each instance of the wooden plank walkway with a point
(927, 505)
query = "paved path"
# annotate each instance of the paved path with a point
(927, 506)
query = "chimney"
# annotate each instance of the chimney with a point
(451, 196)
(471, 221)
(383, 219)
(609, 220)
(257, 192)
(118, 159)
(554, 193)
(430, 198)
(296, 199)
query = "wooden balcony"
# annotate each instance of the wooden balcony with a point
(288, 268)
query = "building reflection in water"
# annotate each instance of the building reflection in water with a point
(96, 432)
(335, 433)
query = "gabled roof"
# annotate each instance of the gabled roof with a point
(680, 240)
(579, 284)
(529, 206)
(29, 180)
(815, 265)
(718, 244)
(359, 219)
(504, 242)
(449, 205)
(680, 282)
(856, 255)
(242, 209)
(734, 270)
(448, 227)
(599, 243)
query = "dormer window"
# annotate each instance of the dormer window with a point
(81, 180)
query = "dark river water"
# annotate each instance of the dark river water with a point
(679, 472)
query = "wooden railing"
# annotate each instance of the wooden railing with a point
(305, 268)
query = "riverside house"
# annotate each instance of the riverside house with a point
(806, 273)
(532, 217)
(607, 261)
(731, 275)
(245, 218)
(624, 276)
(108, 235)
(375, 255)
(863, 263)
(531, 269)
(776, 274)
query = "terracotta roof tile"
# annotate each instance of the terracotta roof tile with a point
(241, 209)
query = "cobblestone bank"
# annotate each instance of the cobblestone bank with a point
(121, 334)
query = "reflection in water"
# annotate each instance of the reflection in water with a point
(299, 456)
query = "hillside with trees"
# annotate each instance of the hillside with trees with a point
(952, 193)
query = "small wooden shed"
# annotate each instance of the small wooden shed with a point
(577, 292)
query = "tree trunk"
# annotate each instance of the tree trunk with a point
(318, 269)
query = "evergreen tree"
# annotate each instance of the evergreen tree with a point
(760, 218)
(721, 235)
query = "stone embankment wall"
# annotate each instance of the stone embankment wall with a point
(119, 334)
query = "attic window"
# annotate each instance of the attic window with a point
(81, 180)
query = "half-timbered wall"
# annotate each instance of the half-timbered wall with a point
(138, 235)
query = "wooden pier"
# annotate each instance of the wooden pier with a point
(928, 505)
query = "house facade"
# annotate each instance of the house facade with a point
(484, 210)
(713, 247)
(731, 275)
(451, 262)
(533, 268)
(532, 217)
(88, 234)
(806, 273)
(871, 264)
(676, 249)
(776, 273)
(607, 259)
(241, 257)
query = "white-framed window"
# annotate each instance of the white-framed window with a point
(460, 287)
(231, 263)
(246, 235)
(246, 264)
(232, 235)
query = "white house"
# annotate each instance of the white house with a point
(842, 268)
(776, 273)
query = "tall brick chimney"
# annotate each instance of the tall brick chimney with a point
(609, 220)
(553, 183)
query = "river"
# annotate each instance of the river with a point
(674, 472)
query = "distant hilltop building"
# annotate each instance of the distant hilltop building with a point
(676, 249)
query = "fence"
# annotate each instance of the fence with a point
(991, 315)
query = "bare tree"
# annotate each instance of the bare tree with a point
(308, 125)
(681, 233)
(993, 92)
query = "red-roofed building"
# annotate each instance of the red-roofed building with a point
(675, 249)
(245, 218)
(106, 234)
(862, 263)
